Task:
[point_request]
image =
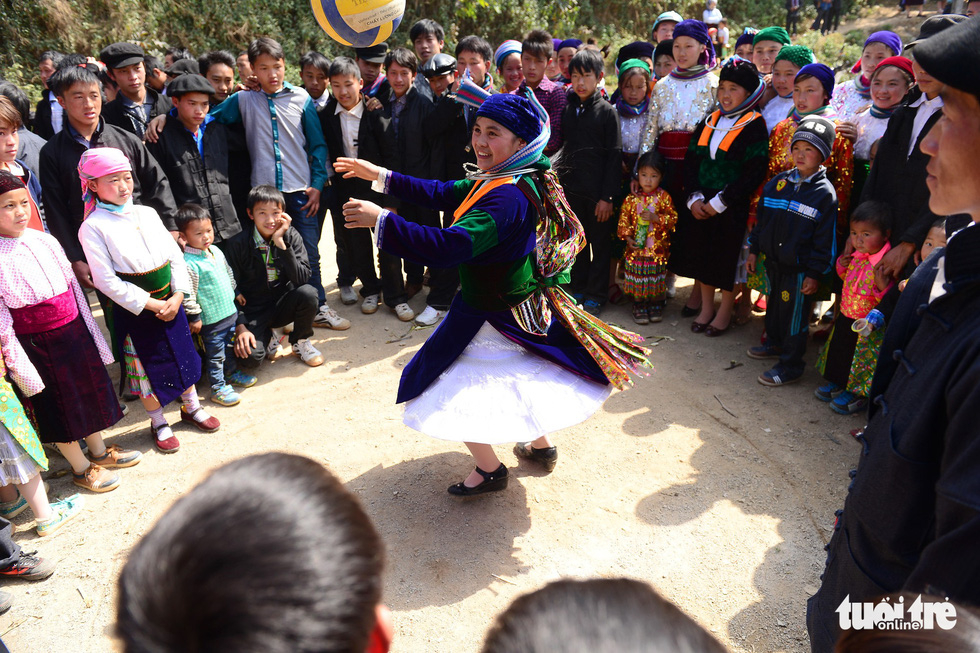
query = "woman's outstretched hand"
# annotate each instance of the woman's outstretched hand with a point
(360, 213)
(357, 168)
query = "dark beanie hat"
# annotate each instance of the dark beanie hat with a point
(741, 72)
(634, 50)
(745, 39)
(818, 132)
(952, 56)
(9, 182)
(514, 112)
(664, 48)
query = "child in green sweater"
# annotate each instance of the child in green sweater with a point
(210, 305)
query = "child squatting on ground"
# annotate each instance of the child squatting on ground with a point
(136, 263)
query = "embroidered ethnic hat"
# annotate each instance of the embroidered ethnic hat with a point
(798, 55)
(953, 57)
(777, 34)
(9, 182)
(506, 49)
(514, 112)
(818, 132)
(741, 72)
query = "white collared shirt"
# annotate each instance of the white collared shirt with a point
(923, 111)
(57, 114)
(350, 122)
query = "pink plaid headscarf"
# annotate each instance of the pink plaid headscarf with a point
(95, 163)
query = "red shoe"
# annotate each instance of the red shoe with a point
(170, 445)
(210, 425)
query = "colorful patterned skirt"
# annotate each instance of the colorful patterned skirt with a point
(21, 455)
(759, 280)
(78, 397)
(848, 359)
(865, 360)
(645, 279)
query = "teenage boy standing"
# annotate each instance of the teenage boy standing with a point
(136, 104)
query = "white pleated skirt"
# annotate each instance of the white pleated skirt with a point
(498, 392)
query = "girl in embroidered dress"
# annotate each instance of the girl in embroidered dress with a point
(53, 348)
(679, 102)
(646, 222)
(726, 162)
(890, 83)
(847, 360)
(138, 266)
(850, 97)
(499, 368)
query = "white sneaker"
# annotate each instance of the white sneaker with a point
(429, 316)
(275, 343)
(404, 312)
(310, 354)
(671, 286)
(347, 296)
(370, 304)
(328, 319)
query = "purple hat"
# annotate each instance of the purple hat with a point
(514, 112)
(698, 31)
(823, 74)
(555, 43)
(745, 38)
(890, 40)
(568, 43)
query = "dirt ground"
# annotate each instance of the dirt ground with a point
(718, 491)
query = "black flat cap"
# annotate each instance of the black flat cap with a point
(953, 56)
(438, 65)
(373, 54)
(120, 55)
(189, 83)
(934, 25)
(183, 67)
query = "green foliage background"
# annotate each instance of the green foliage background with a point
(28, 27)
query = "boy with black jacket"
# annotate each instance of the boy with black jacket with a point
(136, 104)
(352, 130)
(272, 273)
(591, 175)
(795, 230)
(193, 152)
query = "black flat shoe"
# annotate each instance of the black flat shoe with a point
(698, 327)
(492, 482)
(687, 311)
(548, 457)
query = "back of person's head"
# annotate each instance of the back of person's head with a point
(344, 67)
(269, 553)
(151, 63)
(539, 44)
(317, 60)
(190, 213)
(427, 27)
(264, 45)
(404, 58)
(475, 44)
(53, 56)
(70, 61)
(208, 59)
(875, 213)
(18, 100)
(596, 616)
(177, 53)
(586, 61)
(265, 193)
(67, 76)
(653, 159)
(964, 637)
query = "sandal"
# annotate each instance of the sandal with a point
(641, 314)
(492, 482)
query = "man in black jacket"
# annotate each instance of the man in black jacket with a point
(45, 119)
(193, 152)
(136, 104)
(79, 92)
(352, 130)
(911, 521)
(272, 273)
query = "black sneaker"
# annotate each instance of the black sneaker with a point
(548, 457)
(29, 567)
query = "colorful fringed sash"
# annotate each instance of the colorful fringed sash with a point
(560, 237)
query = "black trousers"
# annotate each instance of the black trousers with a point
(298, 306)
(443, 282)
(590, 272)
(355, 251)
(787, 317)
(9, 551)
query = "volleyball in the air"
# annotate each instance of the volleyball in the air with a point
(358, 23)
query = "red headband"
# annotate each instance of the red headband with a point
(899, 62)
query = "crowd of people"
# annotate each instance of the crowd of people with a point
(527, 195)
